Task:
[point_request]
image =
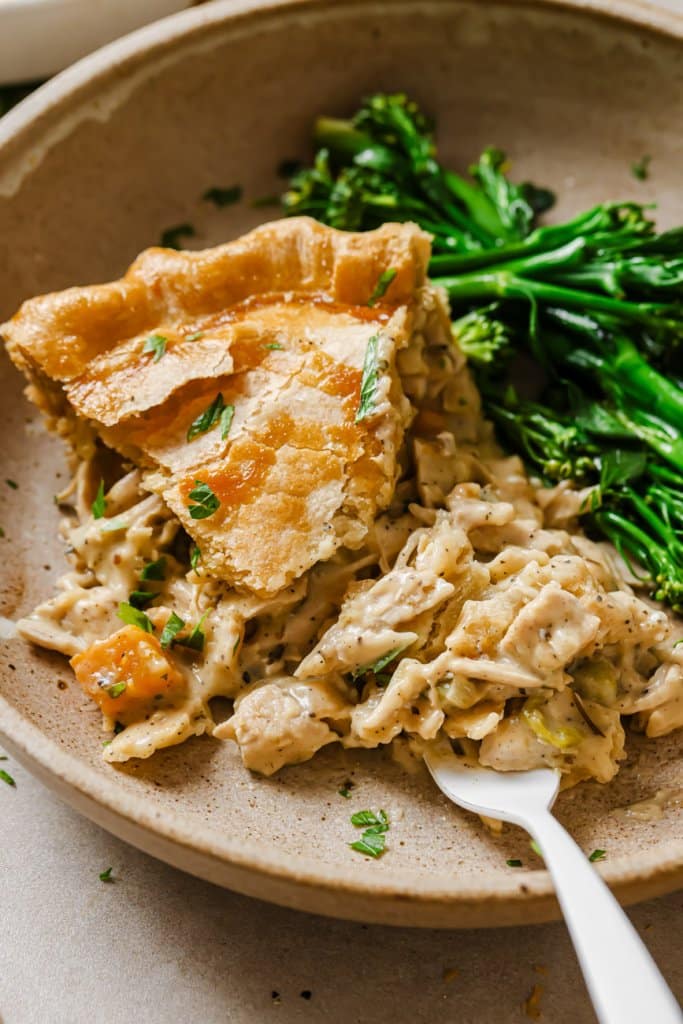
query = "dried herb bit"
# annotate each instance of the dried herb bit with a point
(154, 570)
(373, 840)
(206, 420)
(377, 666)
(514, 862)
(383, 282)
(156, 343)
(196, 638)
(223, 196)
(141, 598)
(206, 501)
(226, 420)
(170, 631)
(597, 855)
(195, 337)
(116, 689)
(134, 617)
(105, 876)
(171, 238)
(195, 556)
(273, 345)
(13, 484)
(99, 505)
(345, 789)
(368, 384)
(6, 777)
(641, 168)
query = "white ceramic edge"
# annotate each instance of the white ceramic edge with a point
(195, 848)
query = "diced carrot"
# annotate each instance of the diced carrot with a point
(127, 673)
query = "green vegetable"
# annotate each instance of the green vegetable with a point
(99, 505)
(196, 638)
(134, 617)
(641, 168)
(226, 420)
(563, 737)
(377, 666)
(597, 855)
(595, 301)
(156, 343)
(6, 777)
(195, 556)
(383, 282)
(154, 570)
(171, 238)
(141, 598)
(206, 501)
(105, 876)
(373, 840)
(170, 631)
(206, 420)
(345, 790)
(368, 384)
(223, 196)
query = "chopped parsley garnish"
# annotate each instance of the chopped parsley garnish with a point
(226, 420)
(141, 598)
(223, 196)
(13, 484)
(195, 337)
(597, 855)
(286, 168)
(641, 168)
(99, 505)
(105, 876)
(156, 343)
(195, 556)
(171, 238)
(373, 840)
(154, 570)
(377, 666)
(206, 501)
(134, 617)
(345, 789)
(514, 862)
(206, 420)
(171, 629)
(368, 384)
(116, 689)
(6, 777)
(536, 848)
(273, 345)
(196, 638)
(383, 282)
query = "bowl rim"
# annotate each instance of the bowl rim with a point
(100, 796)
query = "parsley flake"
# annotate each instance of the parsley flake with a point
(226, 420)
(171, 238)
(195, 337)
(116, 689)
(6, 777)
(134, 617)
(345, 789)
(223, 196)
(99, 505)
(536, 848)
(273, 345)
(170, 631)
(206, 420)
(383, 282)
(154, 570)
(196, 638)
(597, 855)
(13, 484)
(514, 862)
(641, 168)
(195, 556)
(368, 384)
(141, 598)
(206, 501)
(373, 840)
(156, 343)
(377, 666)
(105, 876)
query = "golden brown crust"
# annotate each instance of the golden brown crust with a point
(278, 324)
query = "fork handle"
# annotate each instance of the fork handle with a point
(622, 978)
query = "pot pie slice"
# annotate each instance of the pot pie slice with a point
(255, 384)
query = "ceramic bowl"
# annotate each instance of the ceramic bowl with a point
(92, 168)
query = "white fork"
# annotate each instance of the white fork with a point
(622, 978)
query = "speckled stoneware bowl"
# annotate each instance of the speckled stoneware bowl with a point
(92, 168)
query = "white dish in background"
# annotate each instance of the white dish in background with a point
(40, 37)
